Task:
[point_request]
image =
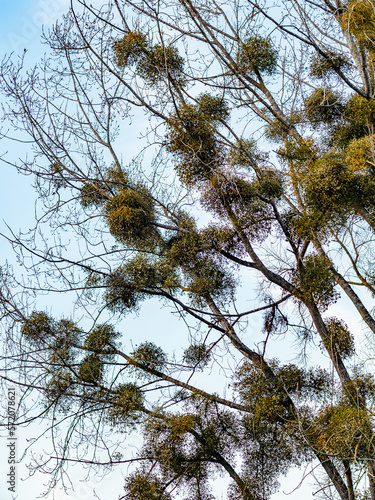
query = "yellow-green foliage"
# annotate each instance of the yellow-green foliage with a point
(241, 196)
(277, 130)
(57, 389)
(129, 284)
(184, 249)
(59, 336)
(197, 355)
(220, 238)
(93, 194)
(259, 394)
(179, 424)
(329, 184)
(93, 283)
(124, 405)
(212, 107)
(99, 339)
(360, 391)
(236, 190)
(308, 225)
(39, 328)
(257, 54)
(339, 339)
(191, 137)
(130, 48)
(335, 184)
(358, 121)
(90, 370)
(96, 192)
(204, 277)
(169, 439)
(360, 154)
(321, 66)
(146, 273)
(268, 453)
(361, 111)
(66, 336)
(267, 398)
(270, 184)
(359, 20)
(210, 281)
(243, 154)
(161, 61)
(121, 295)
(149, 355)
(299, 153)
(315, 281)
(57, 177)
(57, 168)
(342, 431)
(115, 178)
(142, 485)
(229, 191)
(130, 216)
(324, 106)
(153, 63)
(59, 383)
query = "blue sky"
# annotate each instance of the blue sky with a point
(21, 22)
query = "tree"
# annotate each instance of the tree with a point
(264, 118)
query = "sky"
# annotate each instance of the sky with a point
(21, 23)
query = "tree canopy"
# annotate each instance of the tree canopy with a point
(248, 194)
